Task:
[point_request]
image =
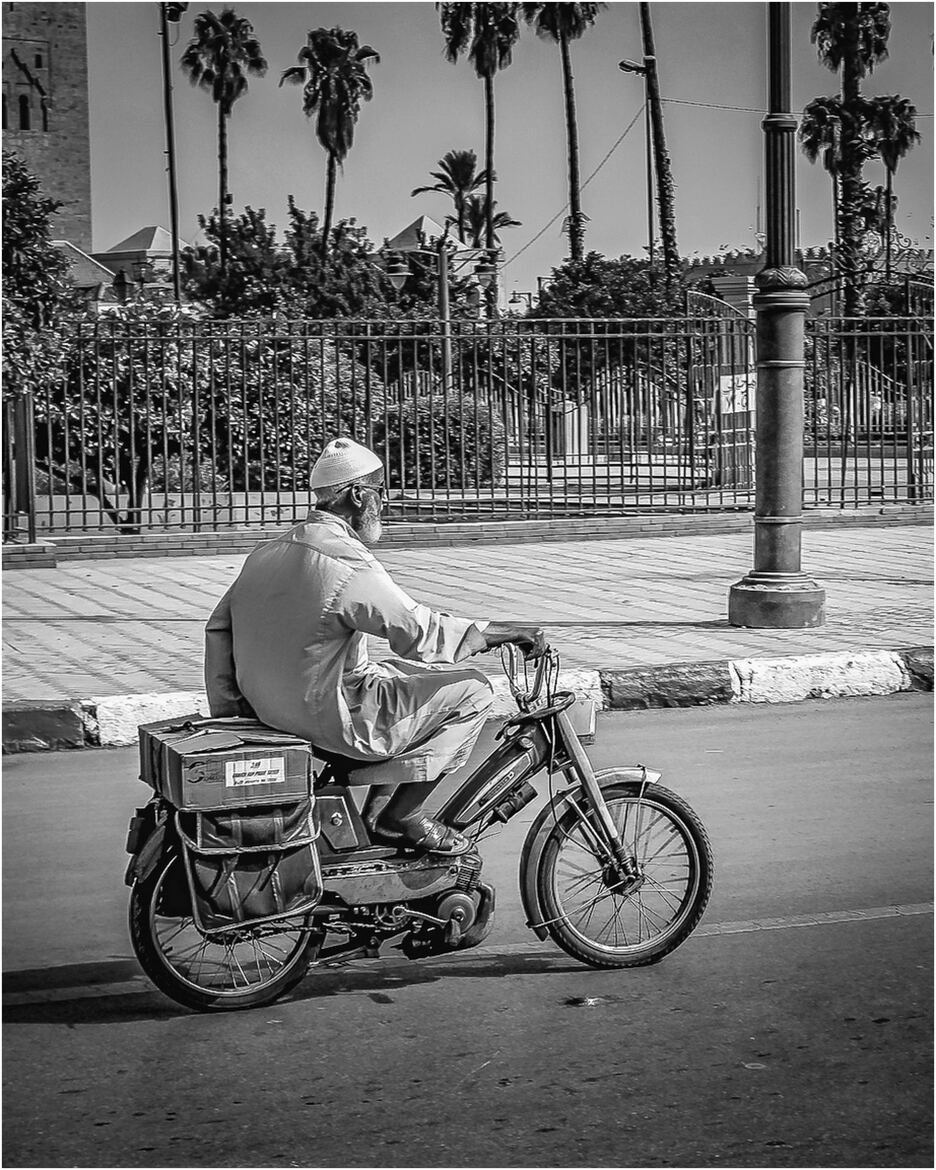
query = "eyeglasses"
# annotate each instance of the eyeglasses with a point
(380, 489)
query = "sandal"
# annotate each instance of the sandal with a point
(434, 837)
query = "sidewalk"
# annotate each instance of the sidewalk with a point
(90, 629)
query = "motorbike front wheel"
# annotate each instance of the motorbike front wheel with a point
(240, 969)
(599, 920)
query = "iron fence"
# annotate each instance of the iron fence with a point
(203, 425)
(869, 411)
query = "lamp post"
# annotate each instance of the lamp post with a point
(522, 298)
(444, 254)
(143, 272)
(171, 14)
(643, 71)
(776, 594)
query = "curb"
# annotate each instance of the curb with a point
(49, 551)
(111, 721)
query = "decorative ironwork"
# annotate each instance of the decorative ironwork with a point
(204, 425)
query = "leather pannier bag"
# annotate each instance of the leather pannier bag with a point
(249, 866)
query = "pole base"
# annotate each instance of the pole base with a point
(776, 601)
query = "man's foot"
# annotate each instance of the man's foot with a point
(436, 837)
(426, 834)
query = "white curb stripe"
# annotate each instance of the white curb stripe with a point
(118, 716)
(818, 676)
(113, 719)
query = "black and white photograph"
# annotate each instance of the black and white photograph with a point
(467, 593)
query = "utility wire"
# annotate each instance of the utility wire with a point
(565, 206)
(630, 126)
(742, 109)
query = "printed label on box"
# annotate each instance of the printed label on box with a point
(239, 772)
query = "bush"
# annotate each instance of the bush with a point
(427, 444)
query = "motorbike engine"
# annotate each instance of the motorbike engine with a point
(464, 921)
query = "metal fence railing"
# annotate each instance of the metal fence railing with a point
(869, 411)
(186, 425)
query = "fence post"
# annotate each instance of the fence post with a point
(24, 462)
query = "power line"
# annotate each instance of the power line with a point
(710, 106)
(565, 206)
(630, 126)
(741, 109)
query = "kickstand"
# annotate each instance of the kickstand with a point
(352, 950)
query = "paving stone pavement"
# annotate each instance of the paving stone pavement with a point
(119, 627)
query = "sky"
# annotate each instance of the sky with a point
(710, 55)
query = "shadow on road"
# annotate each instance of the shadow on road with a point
(36, 990)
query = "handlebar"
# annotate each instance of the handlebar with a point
(511, 659)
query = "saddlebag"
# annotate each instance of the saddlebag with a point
(251, 865)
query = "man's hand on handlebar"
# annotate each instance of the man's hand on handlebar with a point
(530, 639)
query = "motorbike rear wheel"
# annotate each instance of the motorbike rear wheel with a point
(588, 912)
(245, 969)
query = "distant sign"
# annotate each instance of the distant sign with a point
(738, 392)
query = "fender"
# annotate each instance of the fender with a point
(143, 863)
(540, 829)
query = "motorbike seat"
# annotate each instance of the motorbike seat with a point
(357, 773)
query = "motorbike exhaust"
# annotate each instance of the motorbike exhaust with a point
(518, 799)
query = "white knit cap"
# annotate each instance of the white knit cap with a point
(341, 461)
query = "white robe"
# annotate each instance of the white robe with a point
(288, 643)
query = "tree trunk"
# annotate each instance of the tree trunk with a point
(576, 228)
(491, 291)
(889, 224)
(489, 160)
(834, 266)
(666, 192)
(330, 177)
(852, 230)
(222, 185)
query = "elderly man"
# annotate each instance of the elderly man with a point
(288, 644)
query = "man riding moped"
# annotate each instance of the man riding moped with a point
(288, 644)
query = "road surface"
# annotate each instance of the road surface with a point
(793, 1029)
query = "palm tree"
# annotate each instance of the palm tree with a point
(563, 23)
(487, 33)
(893, 126)
(332, 70)
(477, 219)
(458, 178)
(666, 189)
(219, 59)
(853, 38)
(820, 136)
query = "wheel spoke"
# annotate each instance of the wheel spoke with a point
(664, 893)
(234, 966)
(588, 897)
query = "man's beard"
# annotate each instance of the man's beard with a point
(366, 521)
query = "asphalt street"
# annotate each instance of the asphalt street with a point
(793, 1029)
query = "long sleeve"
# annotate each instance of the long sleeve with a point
(224, 696)
(374, 604)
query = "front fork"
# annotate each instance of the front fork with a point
(607, 841)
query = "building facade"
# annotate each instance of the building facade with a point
(45, 107)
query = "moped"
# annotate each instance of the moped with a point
(616, 869)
